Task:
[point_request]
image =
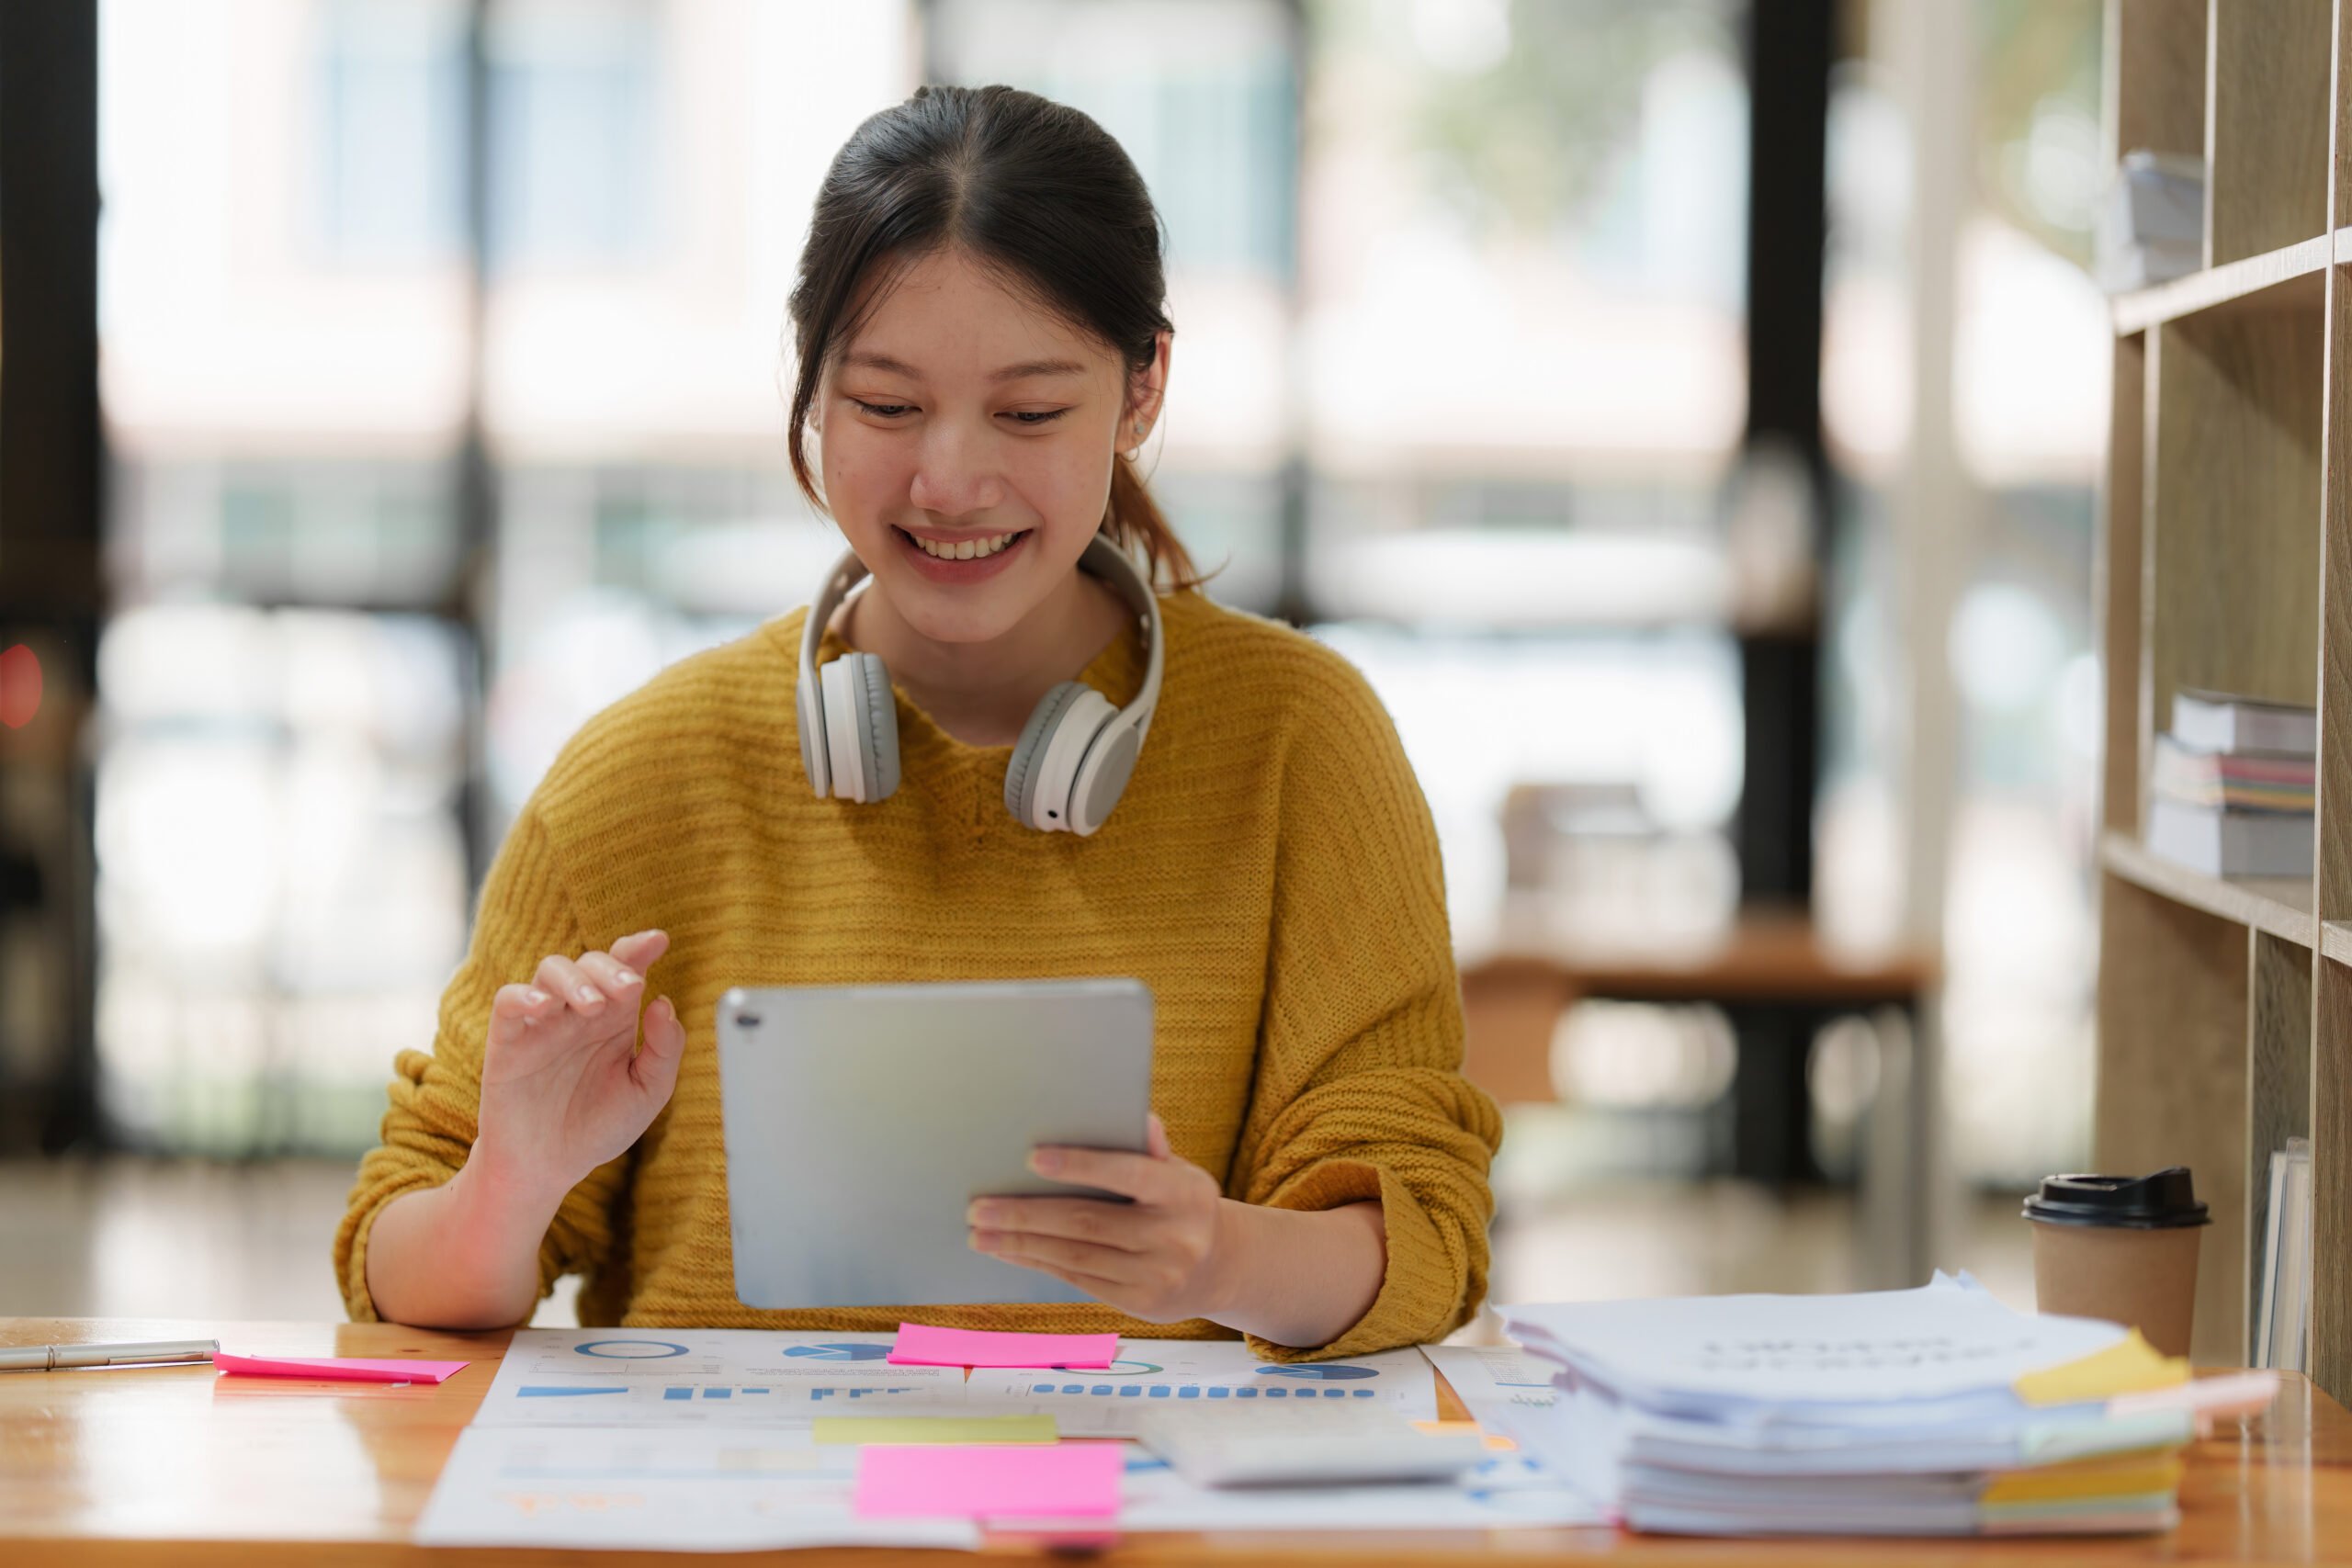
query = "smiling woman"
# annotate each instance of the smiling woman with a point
(977, 367)
(983, 344)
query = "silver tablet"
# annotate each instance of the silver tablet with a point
(860, 1120)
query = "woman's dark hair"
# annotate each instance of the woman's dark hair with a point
(1032, 189)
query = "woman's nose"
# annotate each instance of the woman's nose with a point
(955, 474)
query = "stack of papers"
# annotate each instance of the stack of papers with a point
(1936, 1411)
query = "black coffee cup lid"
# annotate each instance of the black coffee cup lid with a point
(2162, 1201)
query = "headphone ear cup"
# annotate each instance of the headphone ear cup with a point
(1021, 772)
(877, 728)
(1026, 770)
(1103, 778)
(1040, 780)
(809, 702)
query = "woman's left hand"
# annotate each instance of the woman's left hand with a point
(1156, 1257)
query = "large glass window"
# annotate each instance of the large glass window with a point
(1457, 289)
(311, 685)
(2031, 346)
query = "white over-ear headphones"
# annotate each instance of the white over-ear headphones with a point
(1074, 755)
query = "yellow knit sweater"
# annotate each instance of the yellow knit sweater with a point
(1272, 873)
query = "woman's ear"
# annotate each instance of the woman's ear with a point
(1147, 394)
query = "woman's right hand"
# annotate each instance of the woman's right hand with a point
(564, 1088)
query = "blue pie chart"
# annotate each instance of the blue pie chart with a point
(1319, 1373)
(839, 1353)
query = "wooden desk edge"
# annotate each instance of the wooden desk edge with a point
(2300, 1402)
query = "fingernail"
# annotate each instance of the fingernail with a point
(535, 997)
(980, 1214)
(590, 995)
(1045, 1162)
(627, 978)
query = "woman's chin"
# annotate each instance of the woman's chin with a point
(978, 612)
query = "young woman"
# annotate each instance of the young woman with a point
(982, 347)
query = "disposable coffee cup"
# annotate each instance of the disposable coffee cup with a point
(2123, 1248)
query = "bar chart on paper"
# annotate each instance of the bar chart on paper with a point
(1105, 1401)
(717, 1488)
(680, 1377)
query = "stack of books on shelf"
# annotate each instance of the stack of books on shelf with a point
(2231, 790)
(1936, 1411)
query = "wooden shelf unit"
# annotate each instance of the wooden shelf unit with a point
(2225, 562)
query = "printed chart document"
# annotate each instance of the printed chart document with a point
(695, 1377)
(692, 1489)
(1105, 1403)
(706, 1441)
(1506, 1490)
(1494, 1380)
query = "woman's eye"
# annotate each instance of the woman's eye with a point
(1027, 416)
(883, 410)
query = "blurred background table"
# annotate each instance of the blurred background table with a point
(177, 1466)
(1777, 980)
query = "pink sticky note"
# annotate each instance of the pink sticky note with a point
(921, 1345)
(979, 1482)
(339, 1369)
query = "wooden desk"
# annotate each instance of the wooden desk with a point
(173, 1466)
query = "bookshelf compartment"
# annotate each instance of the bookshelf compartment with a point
(2268, 109)
(2331, 1129)
(2155, 75)
(2278, 1101)
(2174, 994)
(2120, 567)
(2232, 511)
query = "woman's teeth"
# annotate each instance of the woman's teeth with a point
(965, 549)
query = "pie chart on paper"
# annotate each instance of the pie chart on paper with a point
(1319, 1373)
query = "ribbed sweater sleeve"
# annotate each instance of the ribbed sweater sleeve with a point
(1359, 1092)
(524, 915)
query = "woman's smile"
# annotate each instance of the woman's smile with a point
(951, 557)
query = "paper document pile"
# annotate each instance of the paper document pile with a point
(1936, 1411)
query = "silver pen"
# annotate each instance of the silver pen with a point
(66, 1358)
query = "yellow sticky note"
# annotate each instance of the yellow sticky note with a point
(2131, 1365)
(2131, 1475)
(935, 1430)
